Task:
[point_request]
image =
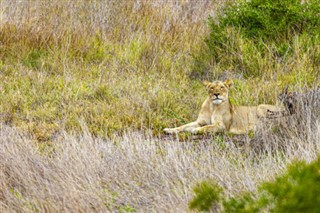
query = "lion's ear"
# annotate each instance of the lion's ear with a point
(228, 83)
(206, 83)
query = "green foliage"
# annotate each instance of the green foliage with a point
(298, 190)
(275, 20)
(33, 58)
(208, 195)
(247, 35)
(126, 208)
(243, 204)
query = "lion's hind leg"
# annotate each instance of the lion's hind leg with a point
(266, 110)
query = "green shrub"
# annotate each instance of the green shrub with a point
(207, 196)
(275, 20)
(298, 190)
(248, 34)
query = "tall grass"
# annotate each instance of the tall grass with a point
(120, 60)
(133, 172)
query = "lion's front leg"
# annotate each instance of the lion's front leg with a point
(185, 128)
(208, 129)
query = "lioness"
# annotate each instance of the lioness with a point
(218, 115)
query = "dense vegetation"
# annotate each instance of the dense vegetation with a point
(87, 88)
(264, 39)
(295, 191)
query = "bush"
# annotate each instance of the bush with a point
(275, 20)
(247, 32)
(298, 190)
(207, 196)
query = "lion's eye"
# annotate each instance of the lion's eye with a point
(221, 88)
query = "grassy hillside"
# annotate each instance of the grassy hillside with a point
(115, 65)
(86, 88)
(123, 65)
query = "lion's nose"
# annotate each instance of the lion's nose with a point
(216, 94)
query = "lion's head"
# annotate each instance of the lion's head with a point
(218, 90)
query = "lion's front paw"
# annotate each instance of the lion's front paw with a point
(197, 130)
(171, 130)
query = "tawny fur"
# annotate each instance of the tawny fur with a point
(218, 115)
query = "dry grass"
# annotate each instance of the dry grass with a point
(134, 172)
(301, 127)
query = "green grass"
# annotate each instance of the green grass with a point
(134, 73)
(111, 87)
